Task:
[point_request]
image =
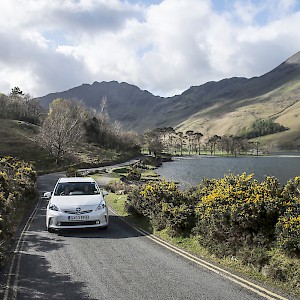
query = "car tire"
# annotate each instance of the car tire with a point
(51, 230)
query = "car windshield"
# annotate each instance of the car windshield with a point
(76, 188)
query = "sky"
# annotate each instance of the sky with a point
(163, 46)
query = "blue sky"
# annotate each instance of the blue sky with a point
(162, 46)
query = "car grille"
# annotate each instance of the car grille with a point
(79, 223)
(74, 212)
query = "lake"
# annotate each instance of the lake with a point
(190, 170)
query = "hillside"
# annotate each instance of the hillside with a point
(276, 95)
(19, 139)
(223, 107)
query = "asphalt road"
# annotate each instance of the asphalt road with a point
(117, 263)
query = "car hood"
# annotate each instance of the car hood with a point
(64, 202)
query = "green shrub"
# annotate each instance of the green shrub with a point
(134, 174)
(158, 221)
(132, 205)
(256, 257)
(72, 172)
(164, 204)
(147, 199)
(122, 170)
(236, 210)
(284, 269)
(118, 185)
(152, 161)
(17, 188)
(180, 219)
(288, 230)
(236, 216)
(288, 226)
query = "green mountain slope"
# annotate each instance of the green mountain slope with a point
(280, 102)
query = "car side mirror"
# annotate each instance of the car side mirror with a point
(47, 195)
(104, 193)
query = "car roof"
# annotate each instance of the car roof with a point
(76, 179)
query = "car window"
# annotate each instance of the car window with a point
(76, 188)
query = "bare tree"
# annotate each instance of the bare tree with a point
(4, 106)
(20, 106)
(190, 137)
(166, 135)
(180, 141)
(63, 127)
(152, 142)
(198, 136)
(212, 142)
(103, 105)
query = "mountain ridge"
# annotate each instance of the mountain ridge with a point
(200, 108)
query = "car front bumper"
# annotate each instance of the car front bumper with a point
(59, 220)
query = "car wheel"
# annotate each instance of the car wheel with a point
(51, 230)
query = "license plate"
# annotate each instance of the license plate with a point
(78, 218)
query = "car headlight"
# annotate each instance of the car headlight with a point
(101, 205)
(53, 207)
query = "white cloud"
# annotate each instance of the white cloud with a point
(48, 46)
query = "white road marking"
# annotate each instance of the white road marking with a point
(232, 277)
(261, 291)
(16, 261)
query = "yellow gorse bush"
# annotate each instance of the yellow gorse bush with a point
(288, 226)
(17, 185)
(164, 204)
(238, 211)
(235, 211)
(256, 222)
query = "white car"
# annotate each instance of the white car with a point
(76, 202)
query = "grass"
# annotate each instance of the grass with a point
(121, 170)
(117, 203)
(20, 139)
(191, 245)
(230, 118)
(148, 174)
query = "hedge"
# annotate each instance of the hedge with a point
(238, 217)
(17, 190)
(227, 214)
(164, 204)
